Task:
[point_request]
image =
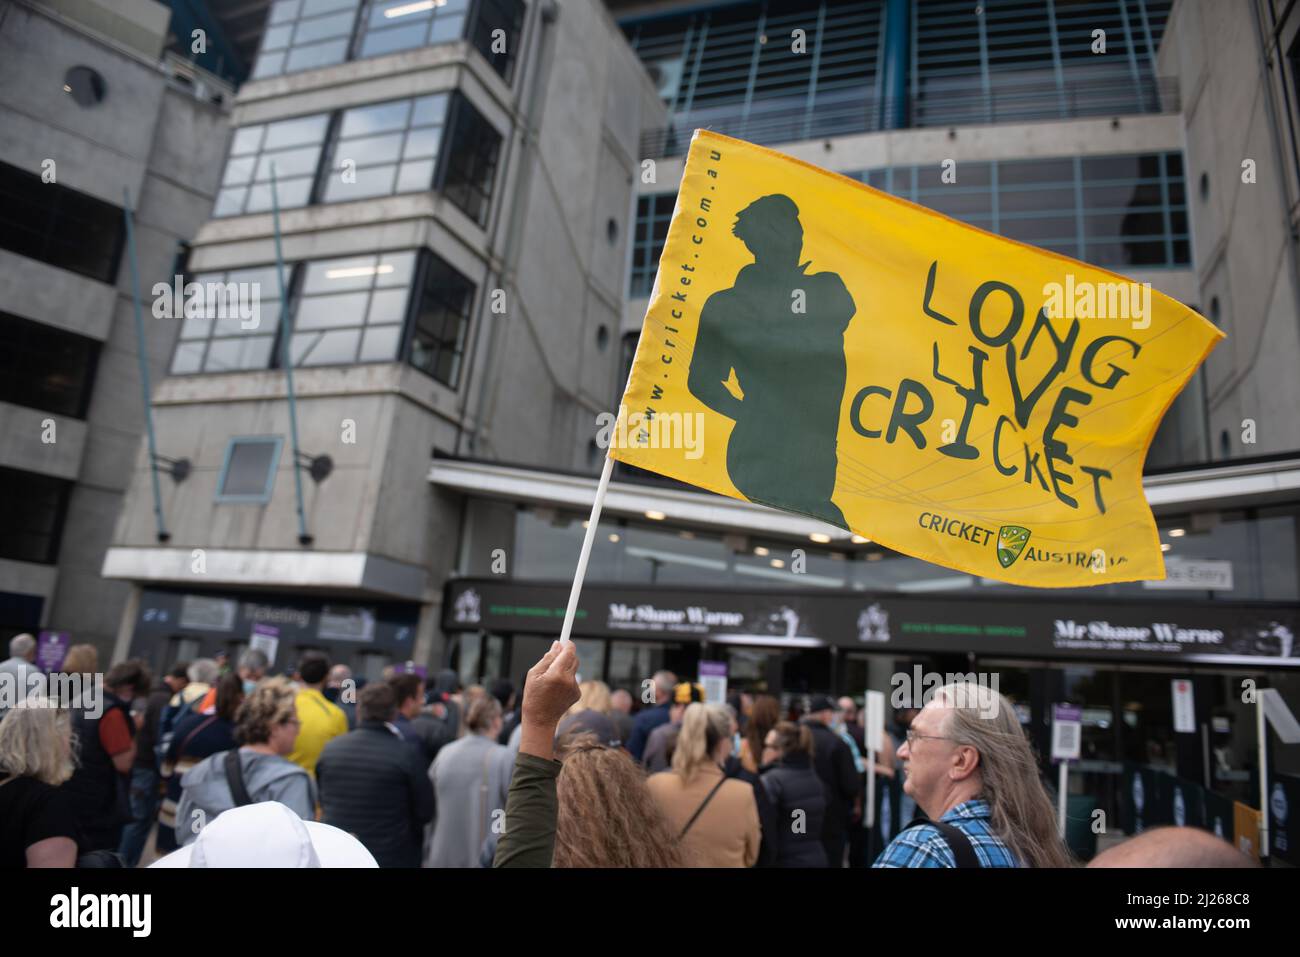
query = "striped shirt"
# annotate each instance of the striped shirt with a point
(925, 846)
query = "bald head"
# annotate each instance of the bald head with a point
(1173, 847)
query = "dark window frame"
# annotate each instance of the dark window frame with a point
(18, 186)
(460, 109)
(16, 329)
(423, 274)
(478, 31)
(62, 496)
(268, 488)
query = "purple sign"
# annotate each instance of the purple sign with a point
(713, 669)
(411, 668)
(51, 649)
(1067, 712)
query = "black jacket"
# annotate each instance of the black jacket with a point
(99, 793)
(833, 762)
(372, 785)
(792, 785)
(432, 733)
(767, 821)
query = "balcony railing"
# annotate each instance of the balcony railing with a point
(934, 105)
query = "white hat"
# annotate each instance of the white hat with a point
(269, 835)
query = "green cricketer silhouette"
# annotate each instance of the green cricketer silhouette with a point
(789, 365)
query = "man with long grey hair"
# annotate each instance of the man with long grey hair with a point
(970, 767)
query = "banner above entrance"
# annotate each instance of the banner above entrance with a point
(1184, 632)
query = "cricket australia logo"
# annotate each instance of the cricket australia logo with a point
(467, 607)
(1012, 540)
(873, 624)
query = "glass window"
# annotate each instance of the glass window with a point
(248, 472)
(664, 557)
(292, 145)
(1010, 60)
(59, 226)
(231, 324)
(1127, 210)
(499, 49)
(441, 322)
(591, 658)
(342, 299)
(386, 148)
(716, 68)
(302, 34)
(653, 214)
(471, 161)
(32, 509)
(633, 662)
(391, 25)
(45, 368)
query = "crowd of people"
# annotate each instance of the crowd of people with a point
(401, 772)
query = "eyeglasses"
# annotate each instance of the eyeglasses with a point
(912, 737)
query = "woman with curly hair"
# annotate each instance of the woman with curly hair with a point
(606, 816)
(593, 809)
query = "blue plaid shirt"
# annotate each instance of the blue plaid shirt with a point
(924, 845)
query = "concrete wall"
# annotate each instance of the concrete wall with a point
(548, 376)
(98, 149)
(166, 148)
(1244, 253)
(140, 25)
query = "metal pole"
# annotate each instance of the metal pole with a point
(145, 390)
(303, 537)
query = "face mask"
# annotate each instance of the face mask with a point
(249, 685)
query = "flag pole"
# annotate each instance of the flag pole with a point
(587, 539)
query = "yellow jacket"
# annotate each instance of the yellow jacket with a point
(319, 720)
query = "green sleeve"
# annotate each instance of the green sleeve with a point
(531, 807)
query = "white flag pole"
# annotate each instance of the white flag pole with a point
(1061, 788)
(1261, 727)
(587, 539)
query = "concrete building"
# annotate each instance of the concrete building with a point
(1236, 65)
(455, 195)
(91, 106)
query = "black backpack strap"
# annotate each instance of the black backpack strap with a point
(700, 810)
(235, 778)
(963, 851)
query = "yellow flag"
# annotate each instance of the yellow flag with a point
(815, 345)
